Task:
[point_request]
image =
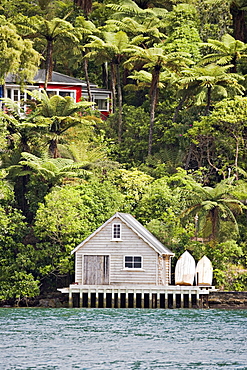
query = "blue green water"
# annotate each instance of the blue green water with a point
(122, 339)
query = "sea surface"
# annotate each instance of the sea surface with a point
(109, 339)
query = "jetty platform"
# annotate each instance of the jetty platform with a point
(141, 296)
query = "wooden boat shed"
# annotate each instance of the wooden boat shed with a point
(122, 264)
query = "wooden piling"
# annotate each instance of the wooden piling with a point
(174, 300)
(197, 300)
(97, 299)
(190, 300)
(126, 299)
(134, 299)
(104, 299)
(142, 299)
(158, 300)
(89, 299)
(118, 299)
(81, 299)
(166, 300)
(70, 299)
(182, 301)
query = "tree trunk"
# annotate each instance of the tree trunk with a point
(53, 148)
(234, 62)
(113, 87)
(239, 23)
(87, 80)
(120, 105)
(154, 97)
(236, 156)
(20, 189)
(208, 101)
(48, 62)
(85, 5)
(105, 75)
(214, 216)
(179, 106)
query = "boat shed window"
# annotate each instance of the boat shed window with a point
(116, 231)
(133, 262)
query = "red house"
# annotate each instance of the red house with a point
(63, 85)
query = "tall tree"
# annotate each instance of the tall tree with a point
(86, 29)
(213, 206)
(17, 55)
(23, 135)
(60, 113)
(228, 50)
(155, 60)
(111, 48)
(208, 80)
(54, 30)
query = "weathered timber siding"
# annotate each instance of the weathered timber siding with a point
(96, 270)
(130, 244)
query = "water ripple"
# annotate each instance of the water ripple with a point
(122, 339)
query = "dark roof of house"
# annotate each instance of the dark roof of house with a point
(138, 228)
(56, 78)
(59, 78)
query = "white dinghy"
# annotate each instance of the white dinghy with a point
(185, 269)
(204, 272)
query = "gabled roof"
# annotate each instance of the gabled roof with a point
(137, 227)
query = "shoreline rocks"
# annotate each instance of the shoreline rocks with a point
(222, 299)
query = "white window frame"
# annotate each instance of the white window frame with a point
(13, 91)
(132, 268)
(104, 97)
(21, 95)
(57, 91)
(116, 224)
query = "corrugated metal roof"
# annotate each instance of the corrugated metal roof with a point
(138, 228)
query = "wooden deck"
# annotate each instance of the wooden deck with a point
(143, 296)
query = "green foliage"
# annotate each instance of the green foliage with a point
(183, 35)
(132, 149)
(67, 216)
(17, 260)
(171, 233)
(132, 184)
(213, 206)
(228, 50)
(17, 54)
(60, 113)
(158, 198)
(226, 259)
(223, 132)
(215, 18)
